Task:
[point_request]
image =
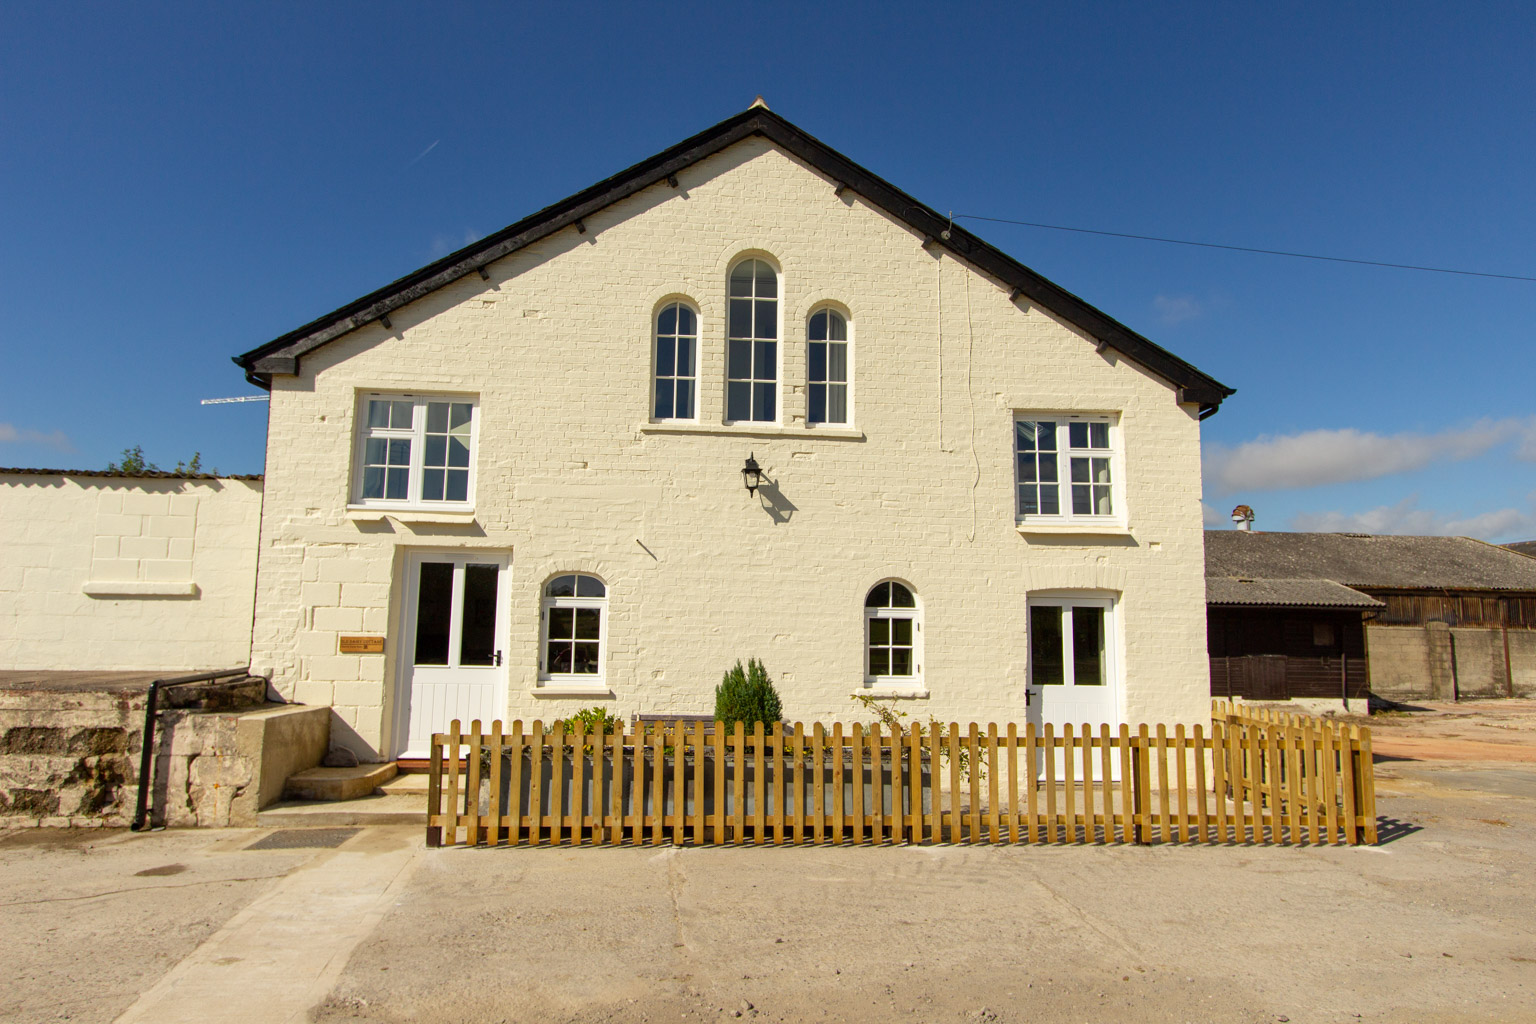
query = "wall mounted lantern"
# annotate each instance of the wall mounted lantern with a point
(752, 474)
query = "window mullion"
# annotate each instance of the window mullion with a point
(1069, 668)
(456, 614)
(418, 449)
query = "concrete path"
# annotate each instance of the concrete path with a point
(276, 959)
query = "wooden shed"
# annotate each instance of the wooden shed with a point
(1281, 638)
(1338, 615)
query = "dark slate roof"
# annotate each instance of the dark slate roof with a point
(20, 471)
(1369, 561)
(1311, 593)
(281, 355)
(1525, 547)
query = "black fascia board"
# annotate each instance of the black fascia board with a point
(280, 356)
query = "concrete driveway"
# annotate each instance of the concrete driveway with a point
(1436, 924)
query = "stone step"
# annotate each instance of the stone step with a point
(338, 783)
(374, 809)
(411, 783)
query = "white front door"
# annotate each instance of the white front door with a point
(1073, 678)
(454, 630)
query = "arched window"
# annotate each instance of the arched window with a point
(752, 344)
(827, 362)
(677, 337)
(892, 635)
(575, 628)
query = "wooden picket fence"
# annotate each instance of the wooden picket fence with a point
(1246, 779)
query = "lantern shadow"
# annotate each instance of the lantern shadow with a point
(779, 508)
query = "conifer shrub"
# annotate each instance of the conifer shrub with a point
(747, 696)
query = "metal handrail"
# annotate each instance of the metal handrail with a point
(147, 755)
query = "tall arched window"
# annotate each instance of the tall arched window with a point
(752, 356)
(677, 337)
(575, 628)
(892, 636)
(827, 366)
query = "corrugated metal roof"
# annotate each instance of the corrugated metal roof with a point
(1370, 561)
(23, 471)
(1268, 593)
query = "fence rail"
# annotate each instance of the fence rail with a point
(1246, 779)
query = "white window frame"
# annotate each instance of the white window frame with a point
(573, 680)
(417, 435)
(778, 352)
(1064, 454)
(655, 360)
(847, 422)
(1067, 602)
(912, 684)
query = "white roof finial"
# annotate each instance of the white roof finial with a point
(758, 103)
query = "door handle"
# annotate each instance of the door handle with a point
(498, 659)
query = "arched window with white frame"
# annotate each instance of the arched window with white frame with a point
(893, 628)
(827, 383)
(752, 344)
(575, 628)
(675, 395)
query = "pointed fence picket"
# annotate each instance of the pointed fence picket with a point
(1252, 776)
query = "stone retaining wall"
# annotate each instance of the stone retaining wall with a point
(71, 758)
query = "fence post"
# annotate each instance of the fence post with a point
(434, 793)
(1365, 778)
(1138, 780)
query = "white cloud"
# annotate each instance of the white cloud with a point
(1406, 517)
(444, 244)
(54, 439)
(1175, 309)
(1211, 516)
(1317, 457)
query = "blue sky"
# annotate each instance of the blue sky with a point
(179, 183)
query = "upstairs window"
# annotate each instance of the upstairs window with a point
(677, 345)
(892, 628)
(752, 344)
(1066, 468)
(827, 363)
(415, 450)
(575, 628)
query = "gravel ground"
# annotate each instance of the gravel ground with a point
(89, 918)
(1435, 925)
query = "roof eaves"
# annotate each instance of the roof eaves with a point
(113, 474)
(281, 355)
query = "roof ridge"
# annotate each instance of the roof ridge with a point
(282, 354)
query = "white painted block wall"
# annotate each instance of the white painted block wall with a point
(126, 572)
(557, 347)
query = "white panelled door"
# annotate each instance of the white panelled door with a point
(454, 630)
(1073, 677)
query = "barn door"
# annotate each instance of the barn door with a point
(1266, 677)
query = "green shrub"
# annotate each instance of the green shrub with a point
(595, 720)
(747, 696)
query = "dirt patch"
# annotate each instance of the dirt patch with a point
(1459, 732)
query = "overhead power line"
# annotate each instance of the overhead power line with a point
(1244, 248)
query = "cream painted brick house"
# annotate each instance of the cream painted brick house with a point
(522, 466)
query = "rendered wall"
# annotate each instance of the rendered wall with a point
(572, 477)
(1437, 662)
(126, 572)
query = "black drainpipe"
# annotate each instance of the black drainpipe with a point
(147, 755)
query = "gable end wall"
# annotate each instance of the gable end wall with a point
(557, 346)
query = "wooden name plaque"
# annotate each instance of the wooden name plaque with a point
(362, 645)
